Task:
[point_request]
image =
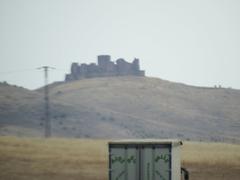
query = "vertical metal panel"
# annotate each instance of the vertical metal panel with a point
(109, 162)
(156, 162)
(118, 163)
(123, 163)
(176, 163)
(162, 163)
(132, 167)
(140, 150)
(147, 165)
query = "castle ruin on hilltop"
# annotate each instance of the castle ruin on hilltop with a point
(104, 68)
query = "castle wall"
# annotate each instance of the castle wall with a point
(103, 62)
(135, 65)
(123, 67)
(104, 68)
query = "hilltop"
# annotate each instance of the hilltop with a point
(126, 107)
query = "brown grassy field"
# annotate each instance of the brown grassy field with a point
(84, 159)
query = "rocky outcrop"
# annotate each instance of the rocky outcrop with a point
(104, 68)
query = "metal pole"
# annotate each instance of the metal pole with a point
(47, 118)
(48, 132)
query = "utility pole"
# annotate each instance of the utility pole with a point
(48, 132)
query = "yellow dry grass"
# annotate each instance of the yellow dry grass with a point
(211, 161)
(84, 159)
(211, 153)
(28, 158)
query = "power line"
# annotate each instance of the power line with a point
(16, 71)
(62, 69)
(48, 132)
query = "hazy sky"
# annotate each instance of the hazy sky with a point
(188, 41)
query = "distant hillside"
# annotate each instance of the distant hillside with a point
(122, 107)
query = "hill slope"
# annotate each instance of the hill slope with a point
(141, 107)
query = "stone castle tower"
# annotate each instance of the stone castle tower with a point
(104, 68)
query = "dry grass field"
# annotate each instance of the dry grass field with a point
(84, 159)
(211, 161)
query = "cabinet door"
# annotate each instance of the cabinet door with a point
(124, 163)
(140, 162)
(162, 162)
(155, 162)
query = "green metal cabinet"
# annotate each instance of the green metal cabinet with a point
(144, 160)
